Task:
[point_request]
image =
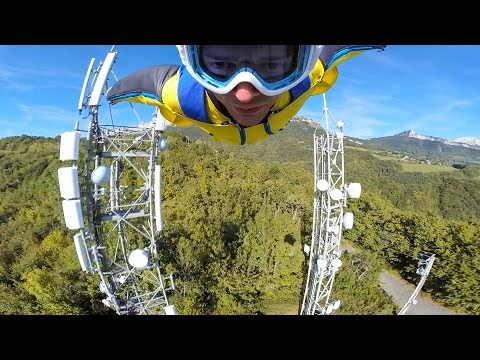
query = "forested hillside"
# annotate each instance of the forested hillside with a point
(236, 220)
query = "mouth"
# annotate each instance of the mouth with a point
(248, 110)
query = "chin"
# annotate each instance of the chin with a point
(249, 122)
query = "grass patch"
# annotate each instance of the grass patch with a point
(282, 309)
(426, 168)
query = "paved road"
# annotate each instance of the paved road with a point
(400, 290)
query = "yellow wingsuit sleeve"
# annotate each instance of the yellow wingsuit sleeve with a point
(329, 78)
(170, 108)
(331, 74)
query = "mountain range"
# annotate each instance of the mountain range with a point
(411, 144)
(470, 142)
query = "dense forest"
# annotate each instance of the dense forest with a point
(236, 220)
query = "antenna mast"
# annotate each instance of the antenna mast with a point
(425, 263)
(118, 214)
(330, 198)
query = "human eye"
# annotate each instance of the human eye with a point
(220, 68)
(272, 66)
(270, 70)
(221, 65)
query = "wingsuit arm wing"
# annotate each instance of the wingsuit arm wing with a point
(332, 55)
(143, 86)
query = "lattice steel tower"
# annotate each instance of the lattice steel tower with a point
(425, 263)
(116, 205)
(329, 219)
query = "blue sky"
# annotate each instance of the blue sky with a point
(432, 89)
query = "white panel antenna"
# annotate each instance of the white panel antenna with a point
(72, 212)
(98, 88)
(84, 87)
(82, 252)
(68, 181)
(70, 145)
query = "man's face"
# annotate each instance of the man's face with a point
(245, 103)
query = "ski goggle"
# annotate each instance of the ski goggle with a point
(272, 69)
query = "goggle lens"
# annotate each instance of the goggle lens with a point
(271, 63)
(275, 67)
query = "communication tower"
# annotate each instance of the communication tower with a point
(425, 263)
(114, 201)
(329, 219)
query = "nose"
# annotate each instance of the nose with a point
(245, 92)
